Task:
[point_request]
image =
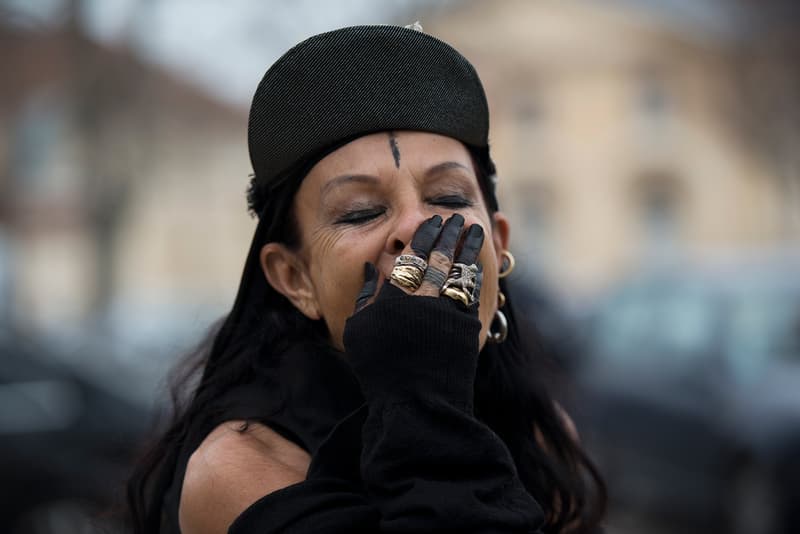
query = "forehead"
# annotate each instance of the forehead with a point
(384, 152)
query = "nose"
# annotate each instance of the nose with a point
(408, 220)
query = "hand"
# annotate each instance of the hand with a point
(439, 245)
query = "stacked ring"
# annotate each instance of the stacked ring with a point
(460, 283)
(408, 271)
(411, 259)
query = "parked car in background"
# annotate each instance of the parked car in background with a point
(66, 443)
(690, 382)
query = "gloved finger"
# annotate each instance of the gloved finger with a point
(410, 265)
(425, 236)
(471, 246)
(441, 257)
(369, 287)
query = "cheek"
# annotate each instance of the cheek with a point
(337, 269)
(326, 265)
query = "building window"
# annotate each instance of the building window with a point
(659, 200)
(528, 121)
(536, 210)
(39, 157)
(528, 113)
(652, 102)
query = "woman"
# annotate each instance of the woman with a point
(369, 376)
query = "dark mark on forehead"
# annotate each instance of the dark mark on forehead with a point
(395, 149)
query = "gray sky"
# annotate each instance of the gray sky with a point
(225, 46)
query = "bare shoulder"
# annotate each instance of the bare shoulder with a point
(233, 467)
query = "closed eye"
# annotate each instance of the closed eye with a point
(360, 216)
(451, 201)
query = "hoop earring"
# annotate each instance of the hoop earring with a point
(502, 323)
(502, 328)
(508, 262)
(501, 334)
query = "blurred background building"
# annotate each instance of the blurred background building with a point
(628, 134)
(633, 132)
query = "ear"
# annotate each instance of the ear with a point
(501, 234)
(287, 274)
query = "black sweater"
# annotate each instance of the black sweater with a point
(412, 457)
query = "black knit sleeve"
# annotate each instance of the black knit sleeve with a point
(426, 464)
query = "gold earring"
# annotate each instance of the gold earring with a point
(508, 263)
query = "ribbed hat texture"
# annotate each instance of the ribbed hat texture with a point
(354, 81)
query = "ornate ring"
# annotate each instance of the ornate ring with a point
(462, 276)
(411, 259)
(460, 283)
(407, 276)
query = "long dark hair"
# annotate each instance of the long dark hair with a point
(511, 393)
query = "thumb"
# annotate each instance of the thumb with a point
(369, 287)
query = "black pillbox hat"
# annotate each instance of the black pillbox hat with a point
(342, 84)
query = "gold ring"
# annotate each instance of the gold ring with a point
(458, 294)
(407, 276)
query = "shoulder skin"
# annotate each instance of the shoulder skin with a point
(234, 466)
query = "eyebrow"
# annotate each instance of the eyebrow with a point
(348, 178)
(446, 166)
(373, 180)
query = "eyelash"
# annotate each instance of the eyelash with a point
(451, 201)
(360, 216)
(363, 216)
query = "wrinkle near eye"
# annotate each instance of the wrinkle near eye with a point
(323, 239)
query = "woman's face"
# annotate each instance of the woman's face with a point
(363, 203)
